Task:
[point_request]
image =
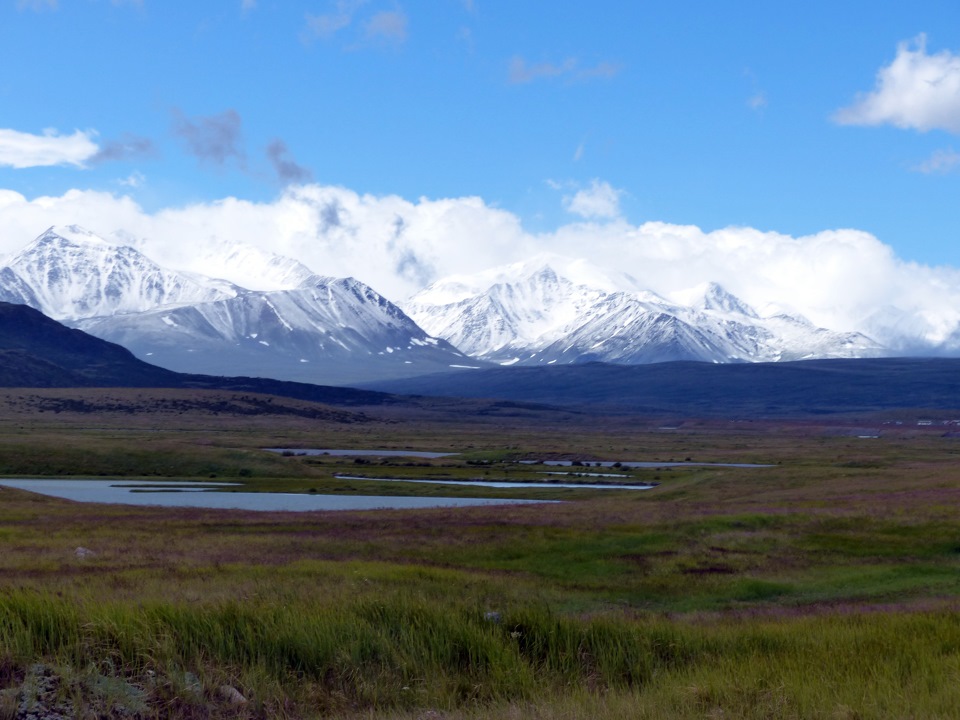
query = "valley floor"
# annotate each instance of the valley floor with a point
(823, 586)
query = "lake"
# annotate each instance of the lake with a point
(198, 495)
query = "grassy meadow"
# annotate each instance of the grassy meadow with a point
(823, 586)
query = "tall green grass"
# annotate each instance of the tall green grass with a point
(405, 651)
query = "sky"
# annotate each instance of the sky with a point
(799, 153)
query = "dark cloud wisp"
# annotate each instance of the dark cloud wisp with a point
(211, 138)
(287, 169)
(127, 147)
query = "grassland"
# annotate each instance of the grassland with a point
(824, 586)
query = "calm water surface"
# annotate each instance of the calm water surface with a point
(188, 494)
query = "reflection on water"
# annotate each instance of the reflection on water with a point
(187, 494)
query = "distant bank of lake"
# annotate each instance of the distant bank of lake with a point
(626, 464)
(362, 453)
(545, 485)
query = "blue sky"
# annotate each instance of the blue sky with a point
(746, 114)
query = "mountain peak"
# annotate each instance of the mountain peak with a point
(73, 273)
(72, 233)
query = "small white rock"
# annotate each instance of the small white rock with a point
(232, 695)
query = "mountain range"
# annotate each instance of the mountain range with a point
(300, 326)
(36, 351)
(321, 330)
(552, 310)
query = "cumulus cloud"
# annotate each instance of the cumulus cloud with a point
(521, 72)
(23, 150)
(600, 200)
(917, 91)
(211, 138)
(287, 169)
(842, 279)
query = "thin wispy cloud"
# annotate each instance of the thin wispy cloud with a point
(758, 98)
(940, 163)
(520, 71)
(916, 91)
(37, 5)
(133, 180)
(127, 147)
(24, 150)
(325, 25)
(389, 26)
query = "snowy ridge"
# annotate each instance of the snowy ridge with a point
(533, 313)
(255, 269)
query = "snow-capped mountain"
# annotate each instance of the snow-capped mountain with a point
(69, 273)
(285, 322)
(324, 330)
(501, 312)
(553, 310)
(329, 330)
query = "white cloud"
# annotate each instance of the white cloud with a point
(842, 279)
(916, 90)
(23, 150)
(600, 200)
